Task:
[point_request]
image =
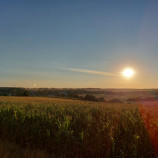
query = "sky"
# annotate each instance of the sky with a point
(78, 43)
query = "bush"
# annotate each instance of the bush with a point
(101, 99)
(115, 101)
(90, 98)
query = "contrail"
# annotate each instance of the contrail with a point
(91, 72)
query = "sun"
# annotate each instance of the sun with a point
(128, 72)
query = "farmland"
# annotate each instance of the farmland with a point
(53, 127)
(149, 113)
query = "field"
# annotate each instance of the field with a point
(121, 94)
(53, 127)
(149, 113)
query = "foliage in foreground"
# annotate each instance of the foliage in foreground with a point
(76, 130)
(12, 150)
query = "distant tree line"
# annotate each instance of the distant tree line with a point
(14, 92)
(68, 93)
(82, 94)
(88, 97)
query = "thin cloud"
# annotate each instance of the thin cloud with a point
(90, 72)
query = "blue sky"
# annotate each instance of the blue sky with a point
(65, 43)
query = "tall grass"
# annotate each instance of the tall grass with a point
(79, 129)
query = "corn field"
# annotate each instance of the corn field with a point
(74, 128)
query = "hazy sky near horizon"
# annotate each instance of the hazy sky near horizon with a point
(78, 43)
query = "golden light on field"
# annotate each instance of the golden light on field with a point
(128, 72)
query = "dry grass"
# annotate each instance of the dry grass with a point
(37, 100)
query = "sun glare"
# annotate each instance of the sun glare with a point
(128, 72)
